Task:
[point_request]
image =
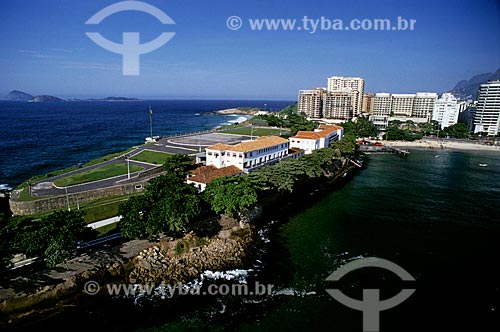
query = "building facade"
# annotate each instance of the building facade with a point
(349, 84)
(310, 102)
(368, 103)
(446, 110)
(487, 112)
(339, 105)
(402, 105)
(423, 105)
(248, 155)
(317, 139)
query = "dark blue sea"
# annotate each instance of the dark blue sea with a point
(36, 138)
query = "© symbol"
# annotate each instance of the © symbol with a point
(131, 49)
(371, 305)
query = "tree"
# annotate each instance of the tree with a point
(168, 205)
(177, 204)
(53, 236)
(458, 130)
(230, 195)
(63, 229)
(27, 236)
(178, 164)
(134, 214)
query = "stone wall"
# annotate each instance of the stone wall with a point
(61, 202)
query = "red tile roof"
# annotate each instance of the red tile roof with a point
(323, 131)
(246, 146)
(206, 174)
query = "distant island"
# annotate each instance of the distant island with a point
(241, 110)
(16, 95)
(44, 99)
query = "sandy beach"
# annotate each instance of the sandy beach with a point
(435, 144)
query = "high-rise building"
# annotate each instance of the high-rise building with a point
(423, 105)
(402, 104)
(446, 110)
(368, 100)
(487, 114)
(382, 104)
(311, 103)
(349, 84)
(339, 105)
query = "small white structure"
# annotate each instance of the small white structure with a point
(446, 110)
(248, 155)
(317, 139)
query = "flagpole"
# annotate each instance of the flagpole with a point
(151, 122)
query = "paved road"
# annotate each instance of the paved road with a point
(190, 144)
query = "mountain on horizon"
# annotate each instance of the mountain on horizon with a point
(18, 96)
(465, 90)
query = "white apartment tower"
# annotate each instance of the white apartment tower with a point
(402, 104)
(487, 114)
(355, 85)
(423, 105)
(446, 110)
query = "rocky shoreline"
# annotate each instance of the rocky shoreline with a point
(169, 261)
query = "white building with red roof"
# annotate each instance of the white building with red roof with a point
(248, 155)
(317, 139)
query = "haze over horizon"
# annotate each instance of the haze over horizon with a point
(46, 51)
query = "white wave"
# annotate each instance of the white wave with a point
(293, 292)
(238, 120)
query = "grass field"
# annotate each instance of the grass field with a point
(152, 157)
(96, 174)
(103, 209)
(255, 131)
(73, 168)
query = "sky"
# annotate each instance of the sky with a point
(44, 48)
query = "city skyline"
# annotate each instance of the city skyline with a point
(46, 51)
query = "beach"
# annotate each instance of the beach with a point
(438, 144)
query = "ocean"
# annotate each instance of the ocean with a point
(37, 138)
(435, 214)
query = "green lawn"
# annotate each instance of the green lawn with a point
(104, 208)
(255, 131)
(96, 174)
(73, 168)
(152, 157)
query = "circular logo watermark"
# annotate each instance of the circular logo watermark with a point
(234, 22)
(371, 305)
(91, 287)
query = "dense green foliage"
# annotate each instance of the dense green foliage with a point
(361, 128)
(168, 203)
(458, 130)
(167, 206)
(230, 195)
(399, 131)
(53, 237)
(178, 164)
